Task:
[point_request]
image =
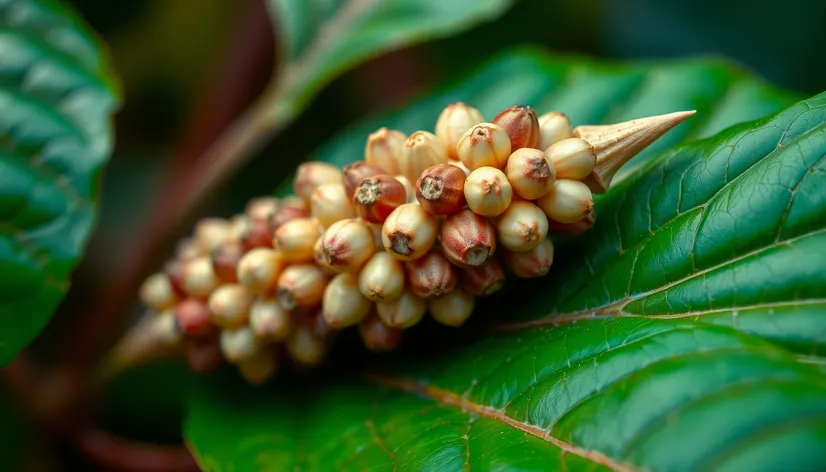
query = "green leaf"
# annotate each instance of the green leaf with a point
(322, 38)
(57, 94)
(685, 331)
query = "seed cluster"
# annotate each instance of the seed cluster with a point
(423, 225)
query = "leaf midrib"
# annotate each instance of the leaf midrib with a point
(445, 397)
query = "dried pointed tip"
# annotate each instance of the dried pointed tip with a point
(616, 144)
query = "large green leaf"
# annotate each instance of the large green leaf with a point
(683, 332)
(57, 95)
(321, 38)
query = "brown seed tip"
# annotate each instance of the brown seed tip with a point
(356, 172)
(616, 144)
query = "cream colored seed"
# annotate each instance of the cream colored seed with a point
(568, 202)
(522, 227)
(530, 173)
(534, 263)
(452, 123)
(572, 158)
(344, 305)
(229, 305)
(301, 285)
(312, 174)
(164, 328)
(261, 208)
(211, 233)
(295, 239)
(347, 245)
(554, 127)
(488, 192)
(409, 188)
(269, 321)
(239, 344)
(239, 226)
(259, 269)
(484, 145)
(421, 150)
(409, 232)
(403, 312)
(453, 309)
(157, 293)
(259, 368)
(382, 278)
(329, 203)
(305, 348)
(384, 149)
(197, 277)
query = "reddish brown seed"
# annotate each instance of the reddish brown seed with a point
(193, 318)
(431, 275)
(377, 196)
(312, 174)
(256, 233)
(203, 355)
(225, 261)
(441, 189)
(290, 209)
(174, 270)
(483, 281)
(534, 263)
(572, 229)
(468, 239)
(356, 172)
(377, 336)
(522, 125)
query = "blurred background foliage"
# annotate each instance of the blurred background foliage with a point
(188, 67)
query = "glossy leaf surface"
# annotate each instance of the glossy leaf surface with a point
(683, 332)
(320, 39)
(57, 95)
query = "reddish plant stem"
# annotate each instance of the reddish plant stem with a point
(238, 75)
(123, 455)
